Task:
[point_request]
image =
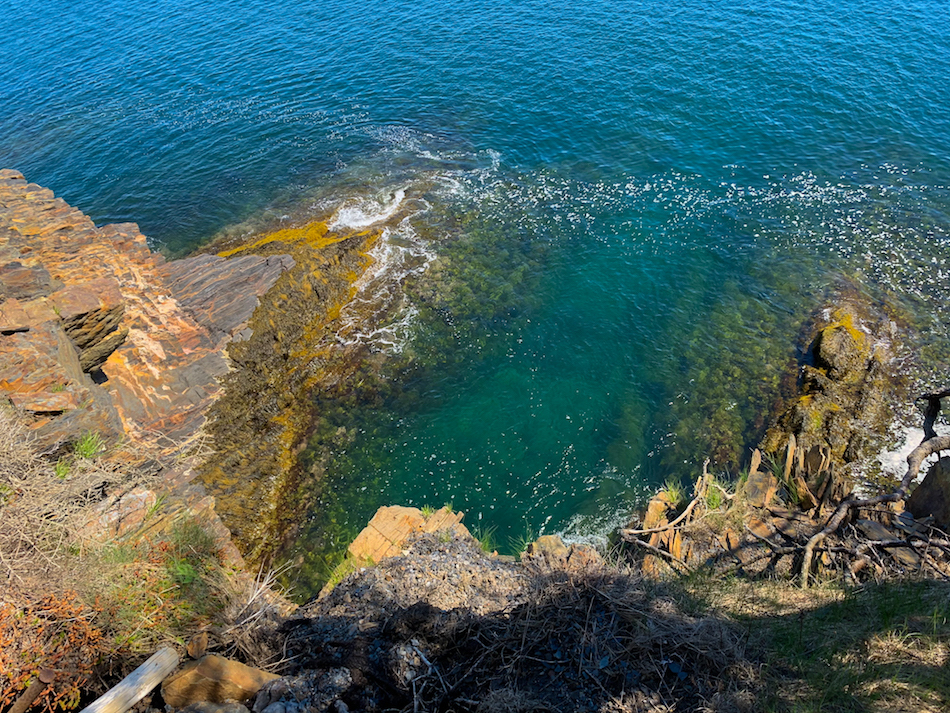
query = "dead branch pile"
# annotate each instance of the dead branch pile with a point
(920, 540)
(594, 640)
(856, 538)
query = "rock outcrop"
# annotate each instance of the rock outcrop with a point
(391, 526)
(98, 333)
(843, 406)
(932, 497)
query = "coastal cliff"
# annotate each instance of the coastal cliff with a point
(103, 342)
(100, 334)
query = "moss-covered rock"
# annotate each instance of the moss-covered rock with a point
(844, 402)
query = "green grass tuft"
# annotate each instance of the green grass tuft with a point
(519, 543)
(675, 493)
(486, 538)
(89, 445)
(62, 468)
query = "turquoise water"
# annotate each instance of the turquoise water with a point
(635, 204)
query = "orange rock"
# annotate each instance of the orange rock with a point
(391, 526)
(657, 510)
(760, 528)
(13, 318)
(111, 294)
(45, 401)
(213, 678)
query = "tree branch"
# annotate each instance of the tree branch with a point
(930, 445)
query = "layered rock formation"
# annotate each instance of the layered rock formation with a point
(98, 333)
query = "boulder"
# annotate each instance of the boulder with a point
(118, 516)
(214, 679)
(550, 551)
(842, 350)
(932, 497)
(209, 707)
(547, 547)
(391, 526)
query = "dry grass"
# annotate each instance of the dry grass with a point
(129, 595)
(255, 609)
(879, 647)
(551, 639)
(44, 507)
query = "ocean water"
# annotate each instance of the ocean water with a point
(606, 221)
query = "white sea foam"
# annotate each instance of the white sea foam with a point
(364, 212)
(380, 315)
(894, 462)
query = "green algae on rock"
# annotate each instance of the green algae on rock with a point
(261, 423)
(845, 400)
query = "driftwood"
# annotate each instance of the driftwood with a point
(931, 444)
(661, 553)
(628, 535)
(33, 691)
(137, 684)
(699, 494)
(853, 551)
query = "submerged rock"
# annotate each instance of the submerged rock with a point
(292, 354)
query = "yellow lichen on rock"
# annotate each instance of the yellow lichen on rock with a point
(314, 235)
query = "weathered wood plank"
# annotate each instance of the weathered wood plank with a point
(137, 684)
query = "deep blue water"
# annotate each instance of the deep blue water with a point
(667, 188)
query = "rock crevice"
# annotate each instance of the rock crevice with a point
(98, 333)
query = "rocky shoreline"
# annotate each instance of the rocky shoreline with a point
(100, 335)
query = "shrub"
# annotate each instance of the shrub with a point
(57, 632)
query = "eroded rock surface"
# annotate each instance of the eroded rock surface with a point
(223, 294)
(98, 333)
